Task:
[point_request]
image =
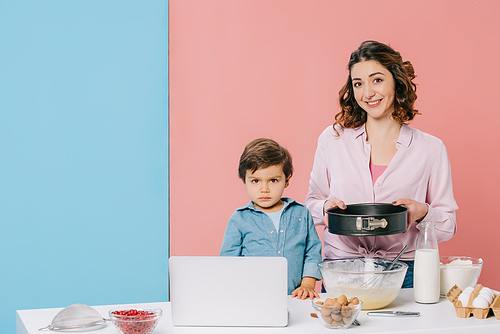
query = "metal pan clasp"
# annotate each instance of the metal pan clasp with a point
(370, 223)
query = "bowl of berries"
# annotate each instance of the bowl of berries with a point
(135, 321)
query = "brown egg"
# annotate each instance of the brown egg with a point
(337, 323)
(346, 311)
(326, 311)
(354, 301)
(342, 300)
(327, 319)
(336, 307)
(336, 316)
(328, 302)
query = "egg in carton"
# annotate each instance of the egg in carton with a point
(465, 304)
(452, 296)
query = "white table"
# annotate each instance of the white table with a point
(434, 318)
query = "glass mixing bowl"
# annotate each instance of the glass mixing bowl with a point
(337, 316)
(364, 278)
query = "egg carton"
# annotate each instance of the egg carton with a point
(495, 306)
(465, 311)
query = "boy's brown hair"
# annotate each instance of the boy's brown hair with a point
(262, 153)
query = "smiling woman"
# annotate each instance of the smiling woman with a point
(376, 68)
(374, 89)
(370, 129)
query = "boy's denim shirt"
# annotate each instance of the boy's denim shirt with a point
(250, 232)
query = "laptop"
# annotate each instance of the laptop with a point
(228, 291)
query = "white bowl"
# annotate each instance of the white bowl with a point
(463, 271)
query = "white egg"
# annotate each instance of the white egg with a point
(480, 302)
(464, 298)
(487, 289)
(487, 298)
(487, 292)
(468, 289)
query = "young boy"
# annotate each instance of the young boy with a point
(271, 225)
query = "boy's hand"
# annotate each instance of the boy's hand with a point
(304, 292)
(306, 289)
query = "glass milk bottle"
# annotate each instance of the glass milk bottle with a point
(426, 271)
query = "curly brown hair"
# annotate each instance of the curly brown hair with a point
(351, 114)
(263, 153)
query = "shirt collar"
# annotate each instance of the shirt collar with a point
(359, 131)
(404, 139)
(405, 135)
(286, 201)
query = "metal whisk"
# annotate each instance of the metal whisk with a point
(375, 280)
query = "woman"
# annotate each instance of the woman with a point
(370, 155)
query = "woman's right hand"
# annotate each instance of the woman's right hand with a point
(332, 204)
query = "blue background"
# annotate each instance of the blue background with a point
(83, 153)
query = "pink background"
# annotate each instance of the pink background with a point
(272, 68)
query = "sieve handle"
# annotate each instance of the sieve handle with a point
(47, 328)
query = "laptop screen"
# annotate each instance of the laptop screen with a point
(228, 291)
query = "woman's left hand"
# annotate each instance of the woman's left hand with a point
(416, 210)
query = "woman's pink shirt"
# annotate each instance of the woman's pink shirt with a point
(420, 170)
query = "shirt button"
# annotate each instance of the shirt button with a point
(272, 232)
(281, 231)
(300, 219)
(279, 252)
